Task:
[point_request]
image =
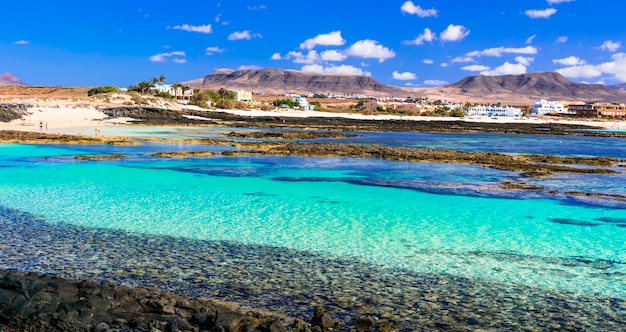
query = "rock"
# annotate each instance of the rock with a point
(323, 319)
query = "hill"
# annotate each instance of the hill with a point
(277, 81)
(527, 87)
(619, 87)
(9, 79)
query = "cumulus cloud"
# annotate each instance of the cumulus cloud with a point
(428, 61)
(435, 82)
(329, 39)
(530, 39)
(506, 69)
(444, 65)
(540, 13)
(406, 76)
(21, 42)
(556, 2)
(212, 50)
(410, 8)
(476, 68)
(561, 39)
(569, 61)
(333, 55)
(498, 51)
(370, 49)
(615, 68)
(610, 46)
(194, 28)
(298, 57)
(244, 67)
(427, 35)
(241, 35)
(582, 71)
(163, 57)
(525, 60)
(454, 33)
(343, 69)
(276, 56)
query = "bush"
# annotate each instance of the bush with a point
(101, 89)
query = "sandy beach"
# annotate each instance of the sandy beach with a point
(65, 116)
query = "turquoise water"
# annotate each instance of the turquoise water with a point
(423, 217)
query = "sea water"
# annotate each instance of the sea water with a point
(427, 218)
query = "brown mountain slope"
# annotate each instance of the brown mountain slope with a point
(528, 87)
(292, 81)
(9, 79)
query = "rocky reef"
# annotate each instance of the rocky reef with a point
(10, 112)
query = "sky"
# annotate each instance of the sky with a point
(419, 43)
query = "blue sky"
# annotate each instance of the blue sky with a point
(419, 43)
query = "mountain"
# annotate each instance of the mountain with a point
(527, 87)
(619, 87)
(8, 79)
(275, 81)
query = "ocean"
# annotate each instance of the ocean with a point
(365, 235)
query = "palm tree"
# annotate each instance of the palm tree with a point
(175, 87)
(143, 86)
(162, 79)
(184, 88)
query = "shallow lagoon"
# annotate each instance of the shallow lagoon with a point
(423, 222)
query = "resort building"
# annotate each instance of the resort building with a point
(241, 95)
(542, 107)
(599, 110)
(494, 112)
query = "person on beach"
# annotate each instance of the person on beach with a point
(40, 126)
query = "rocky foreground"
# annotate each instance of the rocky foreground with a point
(32, 302)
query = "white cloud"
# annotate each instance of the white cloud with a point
(476, 68)
(21, 42)
(240, 35)
(276, 56)
(444, 65)
(454, 33)
(506, 69)
(370, 49)
(582, 71)
(177, 60)
(163, 57)
(498, 51)
(561, 39)
(435, 82)
(556, 2)
(310, 58)
(462, 59)
(540, 13)
(610, 46)
(333, 55)
(427, 35)
(343, 69)
(410, 8)
(261, 7)
(244, 67)
(194, 28)
(212, 50)
(406, 76)
(569, 61)
(530, 39)
(615, 68)
(524, 60)
(329, 39)
(428, 61)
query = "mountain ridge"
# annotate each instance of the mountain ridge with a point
(514, 89)
(9, 79)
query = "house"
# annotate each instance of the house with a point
(304, 104)
(241, 95)
(495, 111)
(598, 110)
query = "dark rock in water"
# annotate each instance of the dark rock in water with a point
(31, 302)
(323, 319)
(565, 221)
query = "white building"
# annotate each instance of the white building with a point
(495, 111)
(242, 95)
(543, 106)
(304, 104)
